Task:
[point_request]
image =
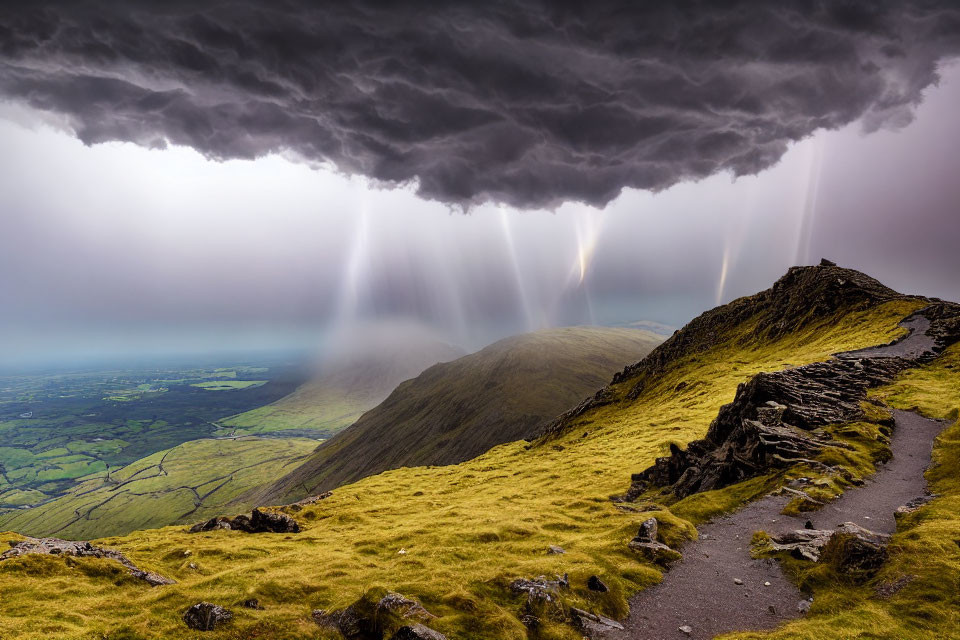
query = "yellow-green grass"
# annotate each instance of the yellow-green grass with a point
(925, 550)
(188, 483)
(324, 411)
(468, 529)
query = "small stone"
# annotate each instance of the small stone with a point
(205, 616)
(192, 565)
(648, 531)
(686, 629)
(402, 552)
(772, 609)
(737, 581)
(252, 603)
(808, 525)
(596, 584)
(417, 632)
(187, 552)
(555, 550)
(803, 606)
(766, 584)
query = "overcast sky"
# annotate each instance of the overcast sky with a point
(158, 194)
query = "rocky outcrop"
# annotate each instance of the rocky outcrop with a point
(850, 549)
(543, 599)
(257, 522)
(62, 548)
(417, 632)
(646, 543)
(803, 295)
(376, 616)
(206, 616)
(594, 583)
(593, 625)
(775, 419)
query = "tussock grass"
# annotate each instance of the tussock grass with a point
(468, 529)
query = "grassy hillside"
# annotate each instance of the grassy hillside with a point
(457, 410)
(346, 387)
(187, 483)
(468, 529)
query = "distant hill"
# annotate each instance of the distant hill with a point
(457, 410)
(365, 369)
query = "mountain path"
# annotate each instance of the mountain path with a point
(718, 587)
(700, 592)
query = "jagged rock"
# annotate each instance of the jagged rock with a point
(827, 263)
(911, 506)
(555, 550)
(850, 549)
(373, 617)
(646, 544)
(803, 607)
(648, 530)
(206, 616)
(655, 551)
(774, 420)
(80, 549)
(855, 551)
(395, 604)
(596, 584)
(257, 522)
(151, 578)
(591, 624)
(890, 588)
(417, 632)
(540, 588)
(803, 294)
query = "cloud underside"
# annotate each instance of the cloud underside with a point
(523, 103)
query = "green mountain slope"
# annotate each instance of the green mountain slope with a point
(457, 410)
(190, 482)
(469, 530)
(348, 385)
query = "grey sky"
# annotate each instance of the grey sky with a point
(116, 247)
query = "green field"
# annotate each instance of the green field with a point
(190, 482)
(229, 385)
(56, 428)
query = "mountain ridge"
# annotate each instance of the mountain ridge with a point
(457, 410)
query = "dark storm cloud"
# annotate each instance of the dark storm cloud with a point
(519, 102)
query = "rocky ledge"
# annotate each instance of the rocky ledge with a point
(63, 548)
(257, 522)
(853, 551)
(776, 419)
(801, 296)
(388, 615)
